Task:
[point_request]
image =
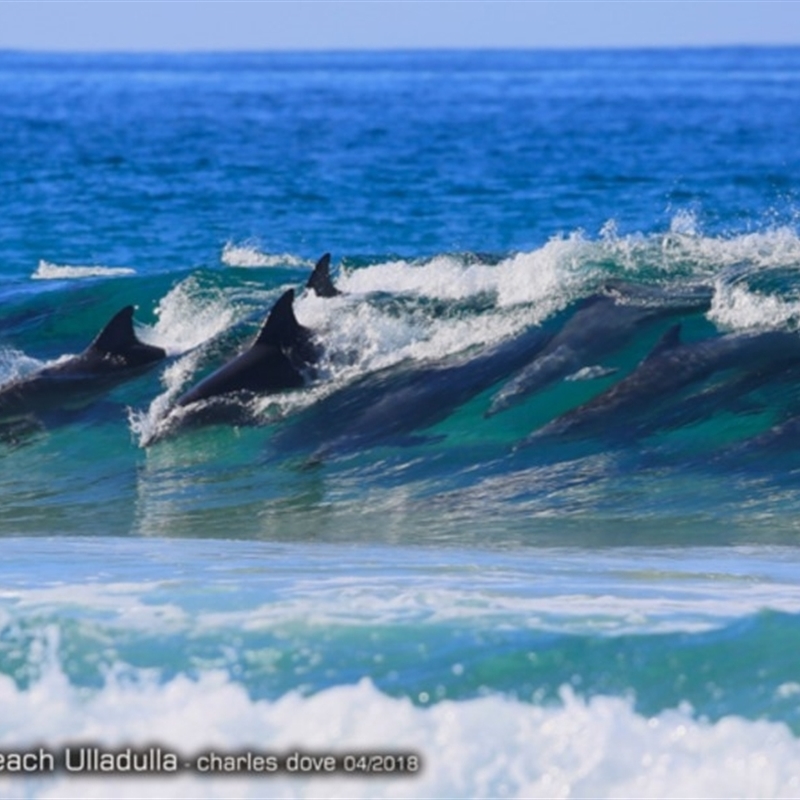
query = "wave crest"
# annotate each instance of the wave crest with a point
(47, 271)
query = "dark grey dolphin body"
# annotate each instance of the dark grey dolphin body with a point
(320, 281)
(669, 367)
(228, 344)
(115, 355)
(273, 362)
(601, 324)
(392, 403)
(276, 359)
(768, 394)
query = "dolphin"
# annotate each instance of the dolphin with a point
(274, 361)
(225, 345)
(669, 367)
(276, 358)
(601, 324)
(391, 403)
(320, 281)
(115, 355)
(750, 392)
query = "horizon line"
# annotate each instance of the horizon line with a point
(335, 49)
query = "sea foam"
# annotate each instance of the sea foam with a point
(487, 747)
(249, 256)
(48, 271)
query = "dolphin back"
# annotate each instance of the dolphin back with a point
(281, 327)
(118, 343)
(320, 281)
(272, 363)
(283, 331)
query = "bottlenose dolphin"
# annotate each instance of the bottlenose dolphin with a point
(749, 392)
(274, 361)
(601, 324)
(115, 355)
(278, 356)
(669, 367)
(392, 403)
(225, 345)
(320, 281)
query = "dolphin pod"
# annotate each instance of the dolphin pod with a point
(601, 324)
(274, 362)
(668, 368)
(393, 404)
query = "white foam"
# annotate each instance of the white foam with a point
(190, 314)
(548, 277)
(728, 262)
(187, 316)
(249, 256)
(47, 271)
(629, 592)
(15, 364)
(735, 307)
(366, 337)
(685, 251)
(445, 277)
(487, 747)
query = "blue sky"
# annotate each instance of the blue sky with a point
(181, 25)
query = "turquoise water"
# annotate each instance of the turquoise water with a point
(371, 563)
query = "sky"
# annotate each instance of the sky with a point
(184, 25)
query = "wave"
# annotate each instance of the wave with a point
(423, 311)
(568, 267)
(51, 272)
(426, 310)
(192, 312)
(310, 617)
(486, 747)
(250, 256)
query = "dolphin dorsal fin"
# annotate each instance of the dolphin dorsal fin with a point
(118, 335)
(281, 327)
(670, 339)
(320, 280)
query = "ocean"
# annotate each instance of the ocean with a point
(530, 526)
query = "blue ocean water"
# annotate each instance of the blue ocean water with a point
(374, 563)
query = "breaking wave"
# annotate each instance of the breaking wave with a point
(486, 747)
(250, 256)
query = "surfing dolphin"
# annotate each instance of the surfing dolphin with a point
(669, 367)
(601, 324)
(227, 344)
(274, 361)
(279, 354)
(115, 355)
(320, 281)
(394, 402)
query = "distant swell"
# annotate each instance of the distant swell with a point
(49, 272)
